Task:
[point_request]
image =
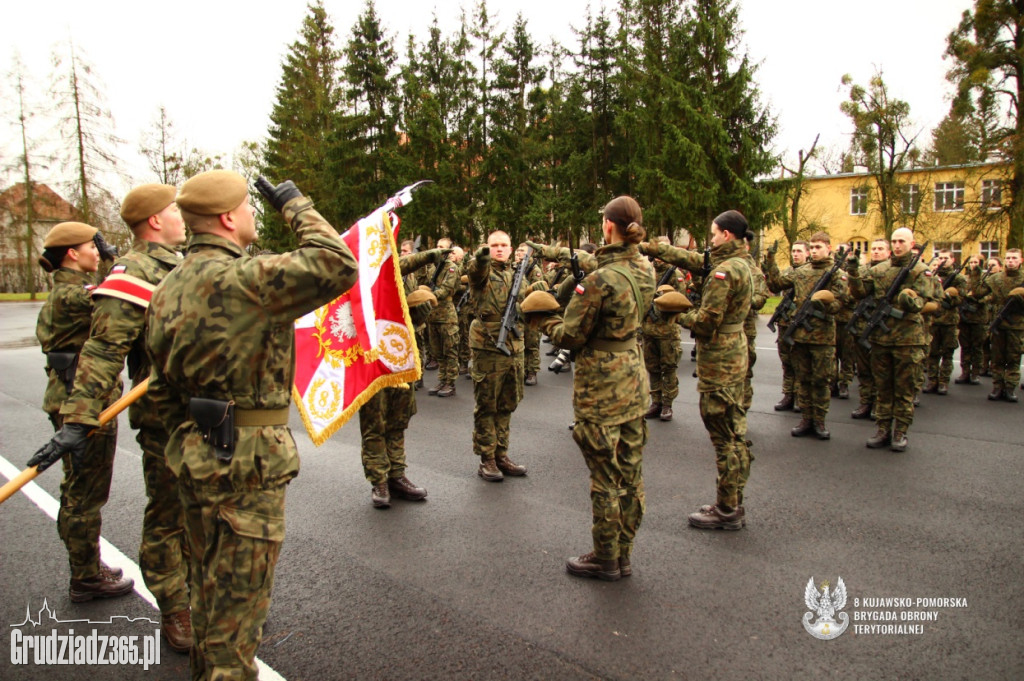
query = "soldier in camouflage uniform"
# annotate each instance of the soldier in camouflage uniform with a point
(662, 346)
(601, 322)
(999, 289)
(798, 256)
(531, 339)
(118, 335)
(879, 253)
(845, 364)
(72, 253)
(220, 334)
(813, 353)
(944, 326)
(895, 354)
(972, 329)
(722, 368)
(758, 297)
(995, 265)
(497, 378)
(443, 322)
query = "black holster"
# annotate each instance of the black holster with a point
(64, 364)
(216, 421)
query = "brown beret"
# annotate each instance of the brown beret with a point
(539, 301)
(824, 296)
(146, 200)
(421, 295)
(69, 234)
(931, 307)
(213, 193)
(673, 301)
(665, 288)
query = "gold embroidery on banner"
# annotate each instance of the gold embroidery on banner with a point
(320, 402)
(397, 337)
(376, 247)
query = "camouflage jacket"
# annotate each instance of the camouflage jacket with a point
(118, 333)
(560, 254)
(664, 325)
(490, 282)
(758, 296)
(773, 280)
(601, 323)
(972, 311)
(409, 265)
(995, 289)
(949, 310)
(718, 323)
(909, 329)
(691, 261)
(447, 284)
(822, 318)
(63, 326)
(222, 326)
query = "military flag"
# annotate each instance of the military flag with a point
(362, 341)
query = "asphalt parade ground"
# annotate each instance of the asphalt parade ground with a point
(471, 583)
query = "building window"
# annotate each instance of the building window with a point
(954, 247)
(949, 196)
(911, 199)
(859, 244)
(991, 194)
(989, 249)
(859, 201)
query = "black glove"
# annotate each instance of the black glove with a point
(107, 251)
(72, 438)
(483, 254)
(279, 195)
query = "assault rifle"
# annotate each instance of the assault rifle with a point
(884, 307)
(652, 314)
(509, 316)
(997, 321)
(969, 304)
(705, 270)
(947, 282)
(782, 309)
(806, 311)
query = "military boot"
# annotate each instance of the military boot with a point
(707, 508)
(974, 380)
(963, 379)
(404, 489)
(447, 390)
(899, 440)
(625, 568)
(880, 438)
(589, 565)
(805, 427)
(786, 403)
(654, 411)
(531, 378)
(666, 412)
(509, 467)
(716, 518)
(489, 471)
(943, 389)
(996, 394)
(436, 389)
(931, 387)
(821, 430)
(431, 365)
(861, 412)
(844, 391)
(177, 630)
(104, 585)
(380, 497)
(1009, 395)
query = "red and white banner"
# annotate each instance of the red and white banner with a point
(362, 341)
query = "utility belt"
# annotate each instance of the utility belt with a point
(735, 327)
(217, 420)
(64, 364)
(608, 345)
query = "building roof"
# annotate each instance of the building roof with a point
(47, 204)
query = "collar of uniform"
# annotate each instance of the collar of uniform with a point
(824, 263)
(66, 275)
(617, 251)
(162, 252)
(1013, 274)
(902, 260)
(728, 249)
(202, 241)
(499, 265)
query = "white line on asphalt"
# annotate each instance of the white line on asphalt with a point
(112, 556)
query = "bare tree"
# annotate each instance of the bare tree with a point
(163, 150)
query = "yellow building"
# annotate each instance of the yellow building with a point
(954, 207)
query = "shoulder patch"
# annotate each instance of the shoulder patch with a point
(579, 289)
(127, 288)
(927, 273)
(118, 269)
(89, 287)
(719, 275)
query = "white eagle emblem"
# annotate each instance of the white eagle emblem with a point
(825, 605)
(343, 325)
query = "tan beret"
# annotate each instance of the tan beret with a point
(665, 288)
(673, 301)
(824, 296)
(540, 301)
(464, 278)
(1018, 291)
(421, 295)
(146, 200)
(213, 192)
(931, 307)
(952, 292)
(69, 234)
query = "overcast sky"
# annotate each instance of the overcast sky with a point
(215, 64)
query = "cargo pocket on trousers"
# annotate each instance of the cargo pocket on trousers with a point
(258, 539)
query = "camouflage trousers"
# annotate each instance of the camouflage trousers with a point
(813, 366)
(726, 422)
(444, 348)
(846, 355)
(939, 364)
(235, 539)
(972, 338)
(896, 370)
(1006, 352)
(464, 352)
(83, 494)
(614, 455)
(163, 553)
(661, 357)
(786, 358)
(748, 381)
(862, 360)
(531, 345)
(382, 424)
(497, 389)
